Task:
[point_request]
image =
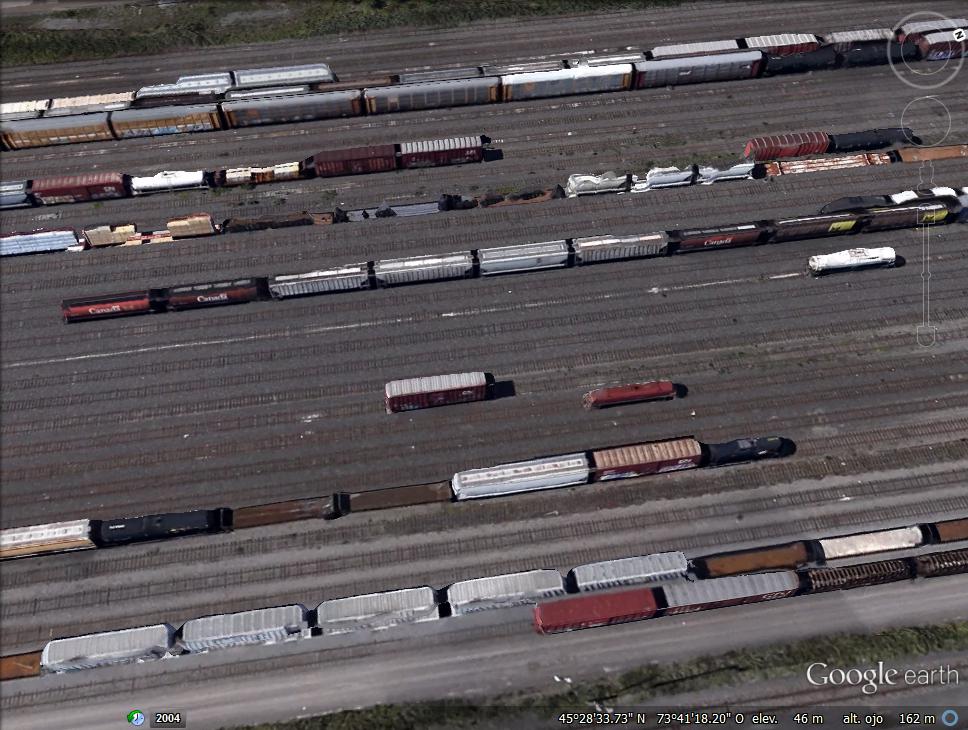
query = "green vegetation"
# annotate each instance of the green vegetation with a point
(736, 668)
(93, 33)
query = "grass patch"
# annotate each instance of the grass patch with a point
(149, 29)
(734, 668)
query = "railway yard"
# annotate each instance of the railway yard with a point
(283, 400)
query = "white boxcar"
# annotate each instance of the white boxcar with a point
(522, 476)
(630, 571)
(933, 25)
(389, 272)
(504, 591)
(188, 92)
(741, 171)
(345, 278)
(114, 647)
(687, 596)
(14, 194)
(783, 43)
(93, 103)
(630, 57)
(54, 537)
(375, 611)
(594, 249)
(871, 542)
(168, 180)
(262, 93)
(262, 626)
(846, 39)
(697, 69)
(665, 177)
(309, 74)
(566, 81)
(854, 258)
(524, 257)
(704, 48)
(196, 81)
(11, 110)
(607, 182)
(39, 242)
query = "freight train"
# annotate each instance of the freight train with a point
(213, 101)
(512, 259)
(329, 163)
(598, 594)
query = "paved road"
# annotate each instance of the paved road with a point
(252, 687)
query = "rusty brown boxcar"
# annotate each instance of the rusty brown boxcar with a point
(787, 145)
(354, 161)
(18, 666)
(394, 497)
(631, 393)
(23, 133)
(790, 555)
(920, 154)
(78, 188)
(952, 530)
(746, 234)
(624, 462)
(165, 120)
(820, 580)
(279, 512)
(583, 612)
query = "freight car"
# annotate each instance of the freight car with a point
(107, 533)
(631, 393)
(114, 305)
(115, 647)
(405, 496)
(819, 580)
(276, 513)
(951, 562)
(503, 591)
(791, 555)
(377, 611)
(852, 546)
(79, 188)
(628, 571)
(525, 476)
(436, 390)
(689, 596)
(585, 612)
(743, 450)
(950, 530)
(15, 244)
(215, 294)
(636, 460)
(261, 626)
(55, 537)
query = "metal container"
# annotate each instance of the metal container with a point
(909, 216)
(351, 277)
(431, 95)
(377, 611)
(297, 108)
(629, 571)
(504, 591)
(523, 257)
(519, 68)
(688, 596)
(266, 93)
(814, 226)
(655, 457)
(791, 555)
(113, 647)
(259, 175)
(197, 224)
(920, 154)
(523, 476)
(391, 272)
(406, 496)
(436, 390)
(165, 120)
(446, 74)
(940, 46)
(355, 160)
(160, 527)
(78, 188)
(87, 104)
(276, 513)
(108, 235)
(566, 82)
(632, 393)
(214, 294)
(867, 543)
(608, 60)
(262, 223)
(608, 182)
(13, 110)
(24, 133)
(820, 580)
(109, 305)
(818, 59)
(871, 139)
(740, 171)
(438, 152)
(201, 81)
(951, 562)
(784, 44)
(19, 666)
(315, 73)
(787, 145)
(54, 537)
(952, 530)
(745, 234)
(935, 24)
(262, 626)
(596, 249)
(14, 194)
(843, 41)
(746, 449)
(15, 244)
(704, 48)
(583, 612)
(168, 180)
(165, 94)
(700, 69)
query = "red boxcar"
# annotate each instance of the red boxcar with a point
(632, 393)
(745, 234)
(79, 188)
(110, 305)
(436, 390)
(452, 151)
(195, 296)
(940, 46)
(584, 612)
(355, 161)
(787, 145)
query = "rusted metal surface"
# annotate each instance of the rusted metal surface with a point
(17, 666)
(316, 508)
